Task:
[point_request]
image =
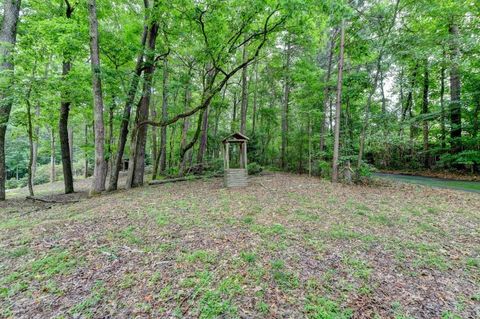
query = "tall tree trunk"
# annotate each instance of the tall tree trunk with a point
(426, 161)
(243, 110)
(8, 37)
(52, 156)
(100, 168)
(163, 129)
(85, 172)
(109, 156)
(455, 102)
(36, 133)
(30, 142)
(255, 98)
(336, 145)
(186, 125)
(285, 104)
(172, 146)
(122, 138)
(326, 91)
(382, 89)
(154, 139)
(233, 126)
(203, 139)
(442, 104)
(475, 118)
(63, 121)
(136, 168)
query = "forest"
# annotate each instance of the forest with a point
(113, 119)
(403, 76)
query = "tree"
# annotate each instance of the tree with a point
(336, 148)
(64, 113)
(8, 37)
(100, 168)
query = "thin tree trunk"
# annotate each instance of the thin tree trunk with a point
(122, 138)
(336, 145)
(243, 110)
(36, 133)
(442, 104)
(382, 89)
(255, 98)
(426, 155)
(52, 156)
(455, 101)
(475, 118)
(63, 121)
(136, 169)
(100, 168)
(110, 157)
(163, 129)
(286, 102)
(30, 141)
(154, 138)
(186, 125)
(8, 38)
(233, 126)
(86, 153)
(203, 139)
(326, 92)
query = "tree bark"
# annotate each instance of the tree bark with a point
(85, 172)
(122, 139)
(336, 145)
(203, 139)
(30, 140)
(100, 168)
(8, 38)
(52, 156)
(163, 129)
(475, 118)
(426, 161)
(255, 98)
(186, 125)
(326, 92)
(136, 168)
(109, 156)
(243, 110)
(286, 102)
(455, 101)
(442, 104)
(63, 121)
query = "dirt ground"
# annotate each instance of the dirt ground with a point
(286, 246)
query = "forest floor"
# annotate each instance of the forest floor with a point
(287, 246)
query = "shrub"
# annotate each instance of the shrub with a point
(325, 169)
(254, 168)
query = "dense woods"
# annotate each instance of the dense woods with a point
(320, 87)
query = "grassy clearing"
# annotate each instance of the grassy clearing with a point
(302, 248)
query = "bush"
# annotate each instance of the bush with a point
(254, 168)
(364, 173)
(12, 183)
(325, 169)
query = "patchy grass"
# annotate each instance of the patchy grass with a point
(301, 248)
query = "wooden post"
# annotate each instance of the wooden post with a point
(227, 155)
(244, 146)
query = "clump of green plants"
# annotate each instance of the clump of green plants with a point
(254, 168)
(323, 308)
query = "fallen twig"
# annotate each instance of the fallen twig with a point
(51, 201)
